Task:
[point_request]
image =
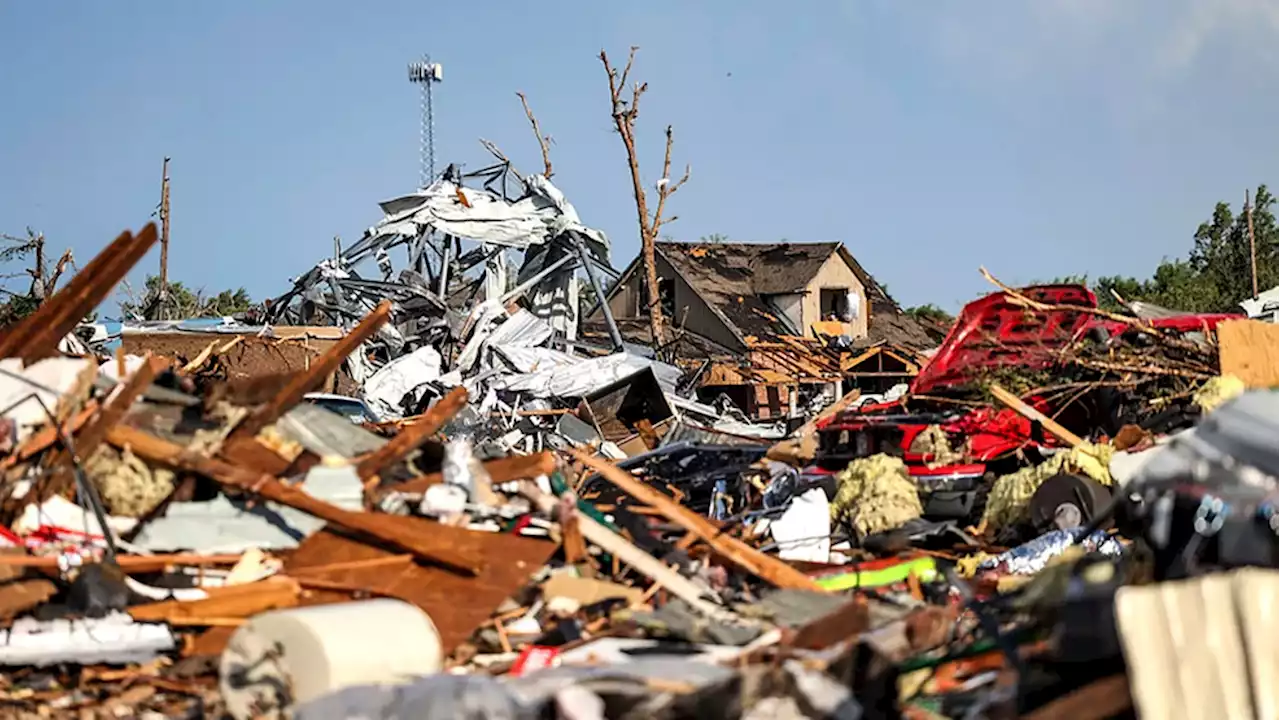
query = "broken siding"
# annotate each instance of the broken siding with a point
(834, 273)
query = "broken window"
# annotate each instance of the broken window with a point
(667, 296)
(835, 305)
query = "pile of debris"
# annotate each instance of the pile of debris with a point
(531, 527)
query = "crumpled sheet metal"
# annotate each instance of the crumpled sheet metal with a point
(532, 220)
(589, 375)
(1032, 557)
(386, 389)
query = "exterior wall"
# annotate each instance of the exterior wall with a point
(691, 311)
(834, 273)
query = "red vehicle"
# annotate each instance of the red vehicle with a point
(990, 333)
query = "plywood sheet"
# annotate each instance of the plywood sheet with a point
(1250, 350)
(457, 604)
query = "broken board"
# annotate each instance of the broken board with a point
(1250, 350)
(456, 604)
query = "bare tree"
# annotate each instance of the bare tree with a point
(624, 120)
(43, 283)
(544, 141)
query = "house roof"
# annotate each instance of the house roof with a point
(732, 277)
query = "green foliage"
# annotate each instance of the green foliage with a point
(931, 313)
(182, 302)
(715, 238)
(1215, 276)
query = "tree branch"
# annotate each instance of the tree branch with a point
(631, 58)
(665, 187)
(544, 142)
(59, 268)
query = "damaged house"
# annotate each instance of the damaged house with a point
(770, 325)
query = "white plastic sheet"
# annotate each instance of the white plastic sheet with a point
(804, 530)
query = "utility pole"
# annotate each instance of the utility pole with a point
(164, 233)
(1253, 253)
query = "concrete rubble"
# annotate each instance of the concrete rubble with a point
(452, 502)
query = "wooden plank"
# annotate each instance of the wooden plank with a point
(1035, 415)
(413, 435)
(21, 333)
(130, 564)
(304, 382)
(411, 535)
(1250, 350)
(239, 601)
(744, 556)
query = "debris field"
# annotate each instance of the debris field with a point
(464, 484)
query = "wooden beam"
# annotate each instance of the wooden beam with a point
(412, 436)
(130, 564)
(748, 558)
(240, 601)
(1035, 415)
(37, 336)
(304, 382)
(406, 535)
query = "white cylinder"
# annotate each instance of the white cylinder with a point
(285, 657)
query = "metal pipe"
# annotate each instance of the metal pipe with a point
(604, 302)
(446, 252)
(523, 287)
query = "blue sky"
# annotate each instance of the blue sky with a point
(1035, 138)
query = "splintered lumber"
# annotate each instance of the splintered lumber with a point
(37, 336)
(48, 436)
(1034, 415)
(499, 470)
(304, 382)
(748, 558)
(130, 564)
(641, 561)
(414, 536)
(95, 431)
(239, 601)
(412, 436)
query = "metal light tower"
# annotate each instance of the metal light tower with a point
(426, 73)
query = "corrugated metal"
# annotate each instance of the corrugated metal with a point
(326, 433)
